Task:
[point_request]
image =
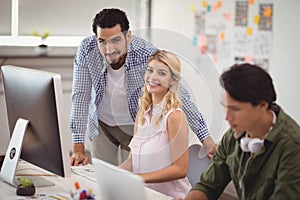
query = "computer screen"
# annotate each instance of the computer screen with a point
(34, 105)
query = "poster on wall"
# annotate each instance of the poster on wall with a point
(200, 22)
(235, 32)
(265, 13)
(241, 13)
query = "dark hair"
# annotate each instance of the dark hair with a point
(248, 83)
(109, 17)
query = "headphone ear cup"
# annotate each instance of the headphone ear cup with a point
(244, 144)
(255, 145)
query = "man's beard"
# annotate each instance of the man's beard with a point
(118, 63)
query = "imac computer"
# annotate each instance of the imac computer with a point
(35, 113)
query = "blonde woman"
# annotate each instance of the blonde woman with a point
(160, 142)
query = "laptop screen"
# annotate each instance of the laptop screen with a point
(116, 183)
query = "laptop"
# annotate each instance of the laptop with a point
(116, 183)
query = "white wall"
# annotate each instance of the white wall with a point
(284, 66)
(285, 63)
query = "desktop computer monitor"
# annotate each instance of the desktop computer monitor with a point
(36, 121)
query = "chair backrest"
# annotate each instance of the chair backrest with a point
(198, 161)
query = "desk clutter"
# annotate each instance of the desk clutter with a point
(77, 187)
(82, 194)
(82, 184)
(25, 187)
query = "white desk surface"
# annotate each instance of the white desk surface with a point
(63, 186)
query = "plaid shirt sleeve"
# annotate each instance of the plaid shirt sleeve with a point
(81, 91)
(194, 117)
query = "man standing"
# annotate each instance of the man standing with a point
(109, 71)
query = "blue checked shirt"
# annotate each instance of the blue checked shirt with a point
(89, 84)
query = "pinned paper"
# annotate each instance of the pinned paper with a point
(204, 4)
(222, 35)
(256, 19)
(268, 12)
(192, 8)
(251, 2)
(249, 31)
(228, 16)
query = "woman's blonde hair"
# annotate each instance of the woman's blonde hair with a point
(172, 99)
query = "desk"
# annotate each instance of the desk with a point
(62, 186)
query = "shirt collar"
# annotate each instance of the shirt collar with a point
(277, 127)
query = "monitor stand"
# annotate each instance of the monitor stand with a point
(12, 157)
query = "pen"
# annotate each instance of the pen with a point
(82, 195)
(77, 186)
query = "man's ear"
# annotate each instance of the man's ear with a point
(264, 105)
(128, 36)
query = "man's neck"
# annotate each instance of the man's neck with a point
(262, 129)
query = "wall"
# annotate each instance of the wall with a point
(285, 65)
(175, 15)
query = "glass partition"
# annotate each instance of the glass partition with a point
(5, 17)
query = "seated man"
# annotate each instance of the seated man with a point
(260, 151)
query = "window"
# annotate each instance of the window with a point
(67, 20)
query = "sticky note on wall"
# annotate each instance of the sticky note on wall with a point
(249, 58)
(219, 4)
(195, 40)
(268, 12)
(202, 40)
(208, 8)
(256, 19)
(192, 8)
(249, 31)
(204, 4)
(222, 35)
(214, 8)
(228, 16)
